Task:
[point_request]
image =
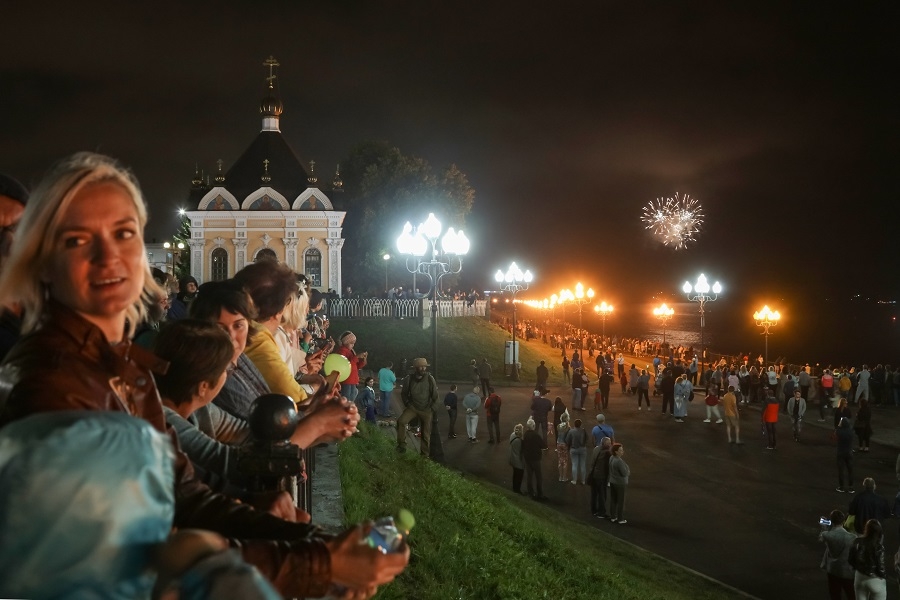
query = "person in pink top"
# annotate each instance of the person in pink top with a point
(350, 386)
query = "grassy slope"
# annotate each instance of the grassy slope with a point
(459, 341)
(478, 541)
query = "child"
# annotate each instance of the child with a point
(367, 399)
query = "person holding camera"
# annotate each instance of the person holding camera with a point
(835, 561)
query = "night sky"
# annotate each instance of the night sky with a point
(568, 117)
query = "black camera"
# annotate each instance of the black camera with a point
(271, 462)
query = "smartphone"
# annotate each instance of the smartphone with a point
(331, 379)
(824, 521)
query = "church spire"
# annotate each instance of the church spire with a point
(271, 107)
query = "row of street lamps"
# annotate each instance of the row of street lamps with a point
(415, 243)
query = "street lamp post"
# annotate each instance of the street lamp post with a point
(663, 313)
(386, 258)
(766, 318)
(176, 248)
(515, 281)
(414, 243)
(701, 295)
(581, 298)
(604, 310)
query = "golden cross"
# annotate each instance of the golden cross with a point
(271, 63)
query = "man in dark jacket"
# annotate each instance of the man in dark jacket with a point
(540, 408)
(599, 477)
(844, 434)
(542, 375)
(868, 505)
(668, 392)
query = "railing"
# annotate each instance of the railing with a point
(379, 308)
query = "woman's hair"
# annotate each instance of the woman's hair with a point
(34, 242)
(518, 429)
(294, 316)
(270, 284)
(215, 296)
(197, 351)
(873, 535)
(530, 423)
(316, 298)
(615, 448)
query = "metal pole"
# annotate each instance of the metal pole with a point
(702, 323)
(515, 370)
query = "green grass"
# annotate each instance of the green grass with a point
(474, 540)
(459, 341)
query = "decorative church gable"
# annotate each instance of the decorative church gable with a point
(265, 198)
(218, 198)
(312, 199)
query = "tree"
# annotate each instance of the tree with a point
(183, 236)
(383, 189)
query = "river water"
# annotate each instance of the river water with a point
(828, 333)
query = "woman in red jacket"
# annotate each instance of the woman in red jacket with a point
(350, 386)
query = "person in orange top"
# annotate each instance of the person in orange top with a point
(770, 417)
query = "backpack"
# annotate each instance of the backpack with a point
(494, 407)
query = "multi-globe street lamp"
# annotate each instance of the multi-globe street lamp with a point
(604, 310)
(701, 295)
(766, 318)
(515, 281)
(414, 243)
(175, 247)
(663, 313)
(580, 298)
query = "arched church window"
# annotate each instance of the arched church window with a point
(265, 254)
(313, 266)
(219, 269)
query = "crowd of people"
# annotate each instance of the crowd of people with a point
(99, 356)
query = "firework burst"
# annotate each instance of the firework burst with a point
(674, 221)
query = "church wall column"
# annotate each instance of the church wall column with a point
(240, 254)
(198, 261)
(290, 252)
(334, 263)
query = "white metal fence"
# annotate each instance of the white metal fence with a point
(378, 308)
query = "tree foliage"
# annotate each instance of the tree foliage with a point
(383, 189)
(183, 235)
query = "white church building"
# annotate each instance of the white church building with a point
(266, 204)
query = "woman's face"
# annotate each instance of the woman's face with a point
(235, 325)
(621, 451)
(97, 266)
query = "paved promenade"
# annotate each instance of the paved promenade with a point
(742, 515)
